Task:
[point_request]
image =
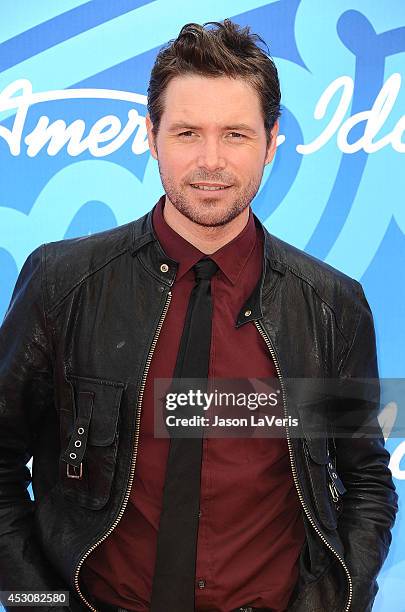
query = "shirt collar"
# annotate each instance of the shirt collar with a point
(231, 258)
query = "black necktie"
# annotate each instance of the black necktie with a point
(173, 587)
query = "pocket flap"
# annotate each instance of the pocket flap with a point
(317, 449)
(107, 399)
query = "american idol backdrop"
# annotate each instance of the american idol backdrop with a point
(74, 157)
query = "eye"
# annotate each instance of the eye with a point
(237, 135)
(186, 134)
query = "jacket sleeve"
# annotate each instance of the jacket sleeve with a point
(370, 503)
(26, 395)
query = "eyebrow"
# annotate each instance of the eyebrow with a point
(180, 125)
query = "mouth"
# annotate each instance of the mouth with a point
(210, 187)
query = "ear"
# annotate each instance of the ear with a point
(273, 143)
(151, 138)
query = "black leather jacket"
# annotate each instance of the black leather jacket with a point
(75, 348)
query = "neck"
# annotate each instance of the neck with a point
(206, 239)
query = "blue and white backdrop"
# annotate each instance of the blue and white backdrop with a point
(74, 158)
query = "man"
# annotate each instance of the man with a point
(295, 522)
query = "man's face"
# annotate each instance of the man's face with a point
(211, 134)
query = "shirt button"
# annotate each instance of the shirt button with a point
(199, 514)
(201, 584)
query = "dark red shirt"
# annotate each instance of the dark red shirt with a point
(251, 530)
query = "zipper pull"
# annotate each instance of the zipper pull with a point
(334, 492)
(337, 483)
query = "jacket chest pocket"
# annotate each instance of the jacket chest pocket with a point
(326, 487)
(89, 440)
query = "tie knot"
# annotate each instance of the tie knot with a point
(205, 269)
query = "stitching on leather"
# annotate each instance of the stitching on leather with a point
(345, 356)
(44, 289)
(84, 278)
(309, 282)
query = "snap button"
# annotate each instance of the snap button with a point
(164, 268)
(78, 443)
(248, 313)
(73, 455)
(80, 430)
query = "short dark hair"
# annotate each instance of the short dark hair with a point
(225, 50)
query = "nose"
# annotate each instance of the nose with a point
(210, 155)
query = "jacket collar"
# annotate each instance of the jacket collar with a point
(154, 259)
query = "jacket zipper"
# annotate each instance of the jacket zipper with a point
(132, 473)
(266, 338)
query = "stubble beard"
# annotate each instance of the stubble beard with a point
(207, 213)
